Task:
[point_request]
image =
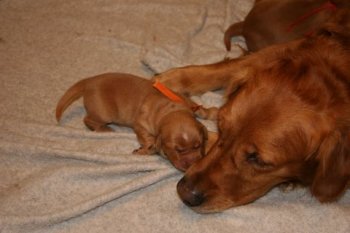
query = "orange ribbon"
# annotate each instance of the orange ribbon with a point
(171, 95)
(167, 92)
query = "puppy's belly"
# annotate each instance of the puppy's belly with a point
(118, 111)
(123, 116)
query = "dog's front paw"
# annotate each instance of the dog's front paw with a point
(289, 186)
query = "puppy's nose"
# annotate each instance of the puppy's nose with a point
(188, 195)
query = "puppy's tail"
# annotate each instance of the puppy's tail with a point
(72, 94)
(235, 29)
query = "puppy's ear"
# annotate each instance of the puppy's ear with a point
(332, 174)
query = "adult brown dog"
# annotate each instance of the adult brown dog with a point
(275, 21)
(287, 118)
(131, 101)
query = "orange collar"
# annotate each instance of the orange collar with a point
(167, 92)
(171, 95)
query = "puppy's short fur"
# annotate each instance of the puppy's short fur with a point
(275, 21)
(161, 125)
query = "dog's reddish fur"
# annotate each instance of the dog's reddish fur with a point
(269, 21)
(287, 118)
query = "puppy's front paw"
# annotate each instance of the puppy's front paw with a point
(144, 151)
(140, 151)
(207, 113)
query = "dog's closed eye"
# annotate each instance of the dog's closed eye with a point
(254, 158)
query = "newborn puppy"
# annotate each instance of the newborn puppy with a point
(161, 125)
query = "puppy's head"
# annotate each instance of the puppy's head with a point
(290, 125)
(182, 139)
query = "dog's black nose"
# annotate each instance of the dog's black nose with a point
(190, 196)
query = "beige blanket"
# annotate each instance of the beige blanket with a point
(64, 178)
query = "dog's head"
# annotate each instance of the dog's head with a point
(182, 139)
(286, 121)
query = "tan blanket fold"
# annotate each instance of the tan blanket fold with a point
(46, 178)
(199, 42)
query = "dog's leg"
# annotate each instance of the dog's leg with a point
(235, 29)
(195, 80)
(146, 140)
(96, 125)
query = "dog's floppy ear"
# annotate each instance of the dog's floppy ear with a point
(158, 144)
(332, 174)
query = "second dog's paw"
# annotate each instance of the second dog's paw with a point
(289, 186)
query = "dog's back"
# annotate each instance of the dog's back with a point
(274, 21)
